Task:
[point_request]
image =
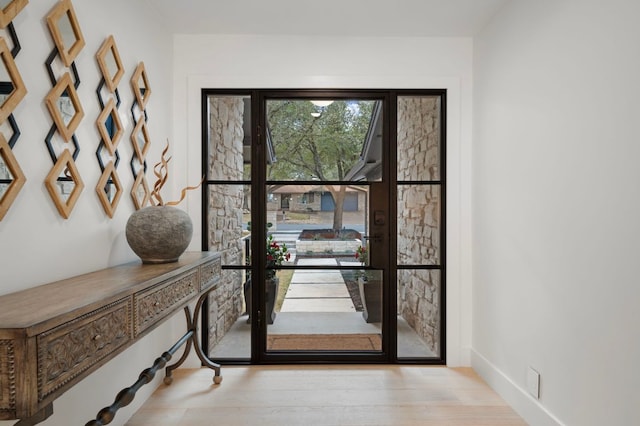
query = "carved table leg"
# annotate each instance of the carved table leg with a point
(168, 379)
(191, 325)
(217, 378)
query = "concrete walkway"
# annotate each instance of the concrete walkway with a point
(317, 290)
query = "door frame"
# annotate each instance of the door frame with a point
(258, 183)
(259, 354)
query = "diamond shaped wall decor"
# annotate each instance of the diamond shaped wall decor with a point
(64, 184)
(17, 89)
(109, 124)
(140, 136)
(11, 177)
(109, 189)
(64, 106)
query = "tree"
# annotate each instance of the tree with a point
(313, 143)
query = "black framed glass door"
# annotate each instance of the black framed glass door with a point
(318, 250)
(309, 199)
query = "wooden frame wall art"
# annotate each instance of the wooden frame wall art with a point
(63, 181)
(10, 185)
(65, 31)
(12, 91)
(65, 107)
(140, 136)
(109, 188)
(17, 88)
(110, 63)
(10, 11)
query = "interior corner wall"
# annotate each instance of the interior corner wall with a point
(556, 203)
(36, 244)
(258, 62)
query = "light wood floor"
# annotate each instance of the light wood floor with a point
(326, 395)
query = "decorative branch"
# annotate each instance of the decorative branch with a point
(160, 170)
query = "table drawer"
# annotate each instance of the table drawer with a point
(210, 273)
(70, 349)
(153, 305)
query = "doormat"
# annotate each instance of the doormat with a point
(324, 342)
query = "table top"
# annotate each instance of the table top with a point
(29, 311)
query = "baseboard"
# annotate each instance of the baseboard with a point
(526, 406)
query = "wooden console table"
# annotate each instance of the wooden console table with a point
(54, 335)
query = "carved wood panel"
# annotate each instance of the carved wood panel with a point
(66, 351)
(209, 273)
(45, 349)
(150, 305)
(7, 376)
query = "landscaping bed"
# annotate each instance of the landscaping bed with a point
(313, 241)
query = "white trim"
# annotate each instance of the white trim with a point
(458, 322)
(531, 410)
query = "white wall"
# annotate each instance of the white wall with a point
(36, 244)
(328, 62)
(556, 202)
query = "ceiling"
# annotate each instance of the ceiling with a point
(393, 18)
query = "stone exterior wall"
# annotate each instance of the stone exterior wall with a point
(225, 211)
(419, 215)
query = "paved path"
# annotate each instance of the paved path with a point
(317, 290)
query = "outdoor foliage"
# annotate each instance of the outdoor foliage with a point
(319, 147)
(276, 254)
(362, 255)
(316, 148)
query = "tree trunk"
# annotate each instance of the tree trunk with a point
(338, 198)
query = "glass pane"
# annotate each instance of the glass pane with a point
(111, 63)
(5, 127)
(324, 141)
(229, 213)
(6, 177)
(419, 224)
(141, 139)
(324, 309)
(66, 185)
(110, 124)
(229, 330)
(67, 109)
(418, 138)
(141, 189)
(229, 219)
(110, 188)
(6, 83)
(229, 138)
(103, 156)
(66, 31)
(418, 313)
(311, 213)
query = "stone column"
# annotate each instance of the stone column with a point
(419, 215)
(225, 211)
